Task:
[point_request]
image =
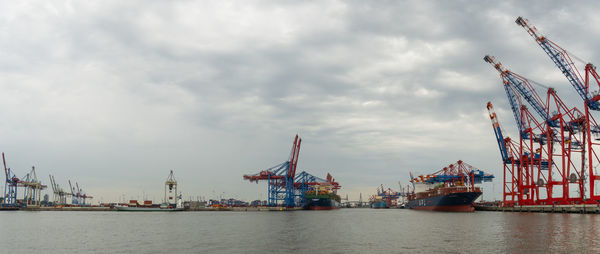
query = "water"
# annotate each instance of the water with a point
(341, 231)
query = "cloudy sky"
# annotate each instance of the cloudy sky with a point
(114, 94)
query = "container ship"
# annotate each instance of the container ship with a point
(384, 198)
(134, 206)
(451, 189)
(321, 198)
(166, 206)
(379, 204)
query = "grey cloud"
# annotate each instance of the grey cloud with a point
(116, 94)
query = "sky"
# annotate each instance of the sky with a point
(115, 94)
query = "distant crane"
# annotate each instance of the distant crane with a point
(280, 179)
(84, 196)
(59, 195)
(33, 189)
(74, 195)
(171, 189)
(388, 195)
(11, 186)
(284, 187)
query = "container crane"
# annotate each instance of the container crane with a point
(11, 187)
(565, 64)
(171, 190)
(60, 196)
(510, 159)
(55, 196)
(74, 195)
(280, 179)
(388, 195)
(524, 89)
(81, 196)
(530, 161)
(563, 128)
(33, 189)
(457, 172)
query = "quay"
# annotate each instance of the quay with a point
(593, 209)
(109, 209)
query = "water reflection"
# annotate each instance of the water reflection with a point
(342, 231)
(551, 232)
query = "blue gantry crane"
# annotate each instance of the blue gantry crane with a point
(11, 187)
(280, 179)
(284, 187)
(459, 171)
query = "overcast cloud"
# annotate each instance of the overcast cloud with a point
(114, 94)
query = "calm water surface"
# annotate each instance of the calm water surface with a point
(341, 231)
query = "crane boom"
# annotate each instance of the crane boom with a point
(563, 61)
(71, 187)
(523, 87)
(5, 169)
(498, 132)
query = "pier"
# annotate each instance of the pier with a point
(543, 208)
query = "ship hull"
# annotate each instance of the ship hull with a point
(321, 204)
(453, 202)
(146, 209)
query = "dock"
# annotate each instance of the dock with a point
(75, 208)
(593, 209)
(109, 209)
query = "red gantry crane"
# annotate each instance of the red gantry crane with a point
(562, 135)
(284, 186)
(563, 61)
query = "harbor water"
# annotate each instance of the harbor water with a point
(336, 231)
